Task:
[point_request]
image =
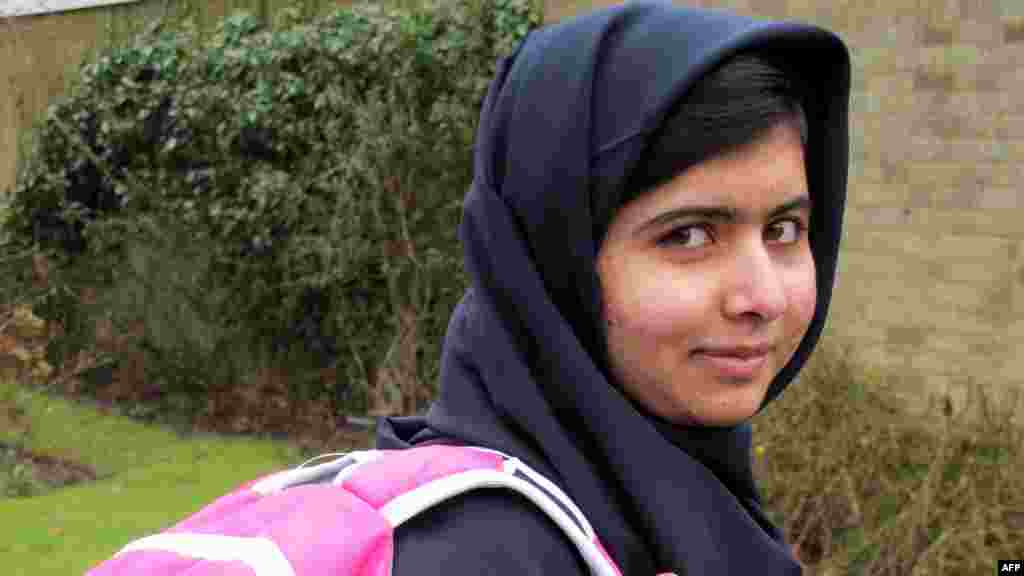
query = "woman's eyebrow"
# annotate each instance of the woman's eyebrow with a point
(722, 213)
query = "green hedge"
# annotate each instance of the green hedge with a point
(274, 196)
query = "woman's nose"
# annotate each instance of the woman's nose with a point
(754, 286)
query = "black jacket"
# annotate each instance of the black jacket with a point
(523, 364)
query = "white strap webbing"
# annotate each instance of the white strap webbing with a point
(408, 505)
(261, 555)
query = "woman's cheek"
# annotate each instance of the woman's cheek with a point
(662, 304)
(803, 297)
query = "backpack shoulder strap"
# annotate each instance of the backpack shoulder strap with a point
(434, 474)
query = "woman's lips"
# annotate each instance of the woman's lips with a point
(731, 364)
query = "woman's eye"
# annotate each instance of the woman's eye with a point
(693, 236)
(786, 231)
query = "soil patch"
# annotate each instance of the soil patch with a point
(48, 470)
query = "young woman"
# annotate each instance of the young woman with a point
(652, 236)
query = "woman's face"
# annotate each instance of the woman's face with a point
(709, 284)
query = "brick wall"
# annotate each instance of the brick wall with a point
(931, 281)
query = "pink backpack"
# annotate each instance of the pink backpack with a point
(338, 518)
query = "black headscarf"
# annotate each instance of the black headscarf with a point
(524, 367)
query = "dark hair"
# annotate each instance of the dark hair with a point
(727, 108)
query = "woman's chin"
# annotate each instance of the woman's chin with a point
(728, 409)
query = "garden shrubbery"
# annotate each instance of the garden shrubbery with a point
(267, 213)
(864, 488)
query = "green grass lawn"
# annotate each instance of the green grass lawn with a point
(150, 478)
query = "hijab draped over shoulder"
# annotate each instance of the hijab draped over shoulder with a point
(524, 368)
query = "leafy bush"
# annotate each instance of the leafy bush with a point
(273, 196)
